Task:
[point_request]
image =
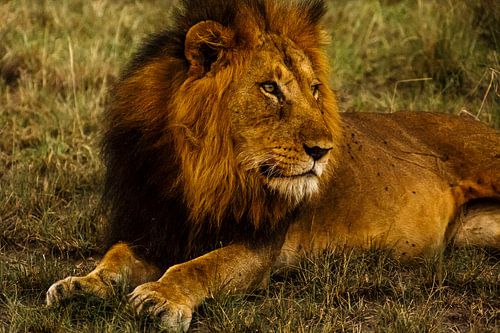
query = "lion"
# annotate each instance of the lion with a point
(227, 157)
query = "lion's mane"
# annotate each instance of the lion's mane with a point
(172, 186)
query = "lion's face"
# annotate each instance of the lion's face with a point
(279, 126)
(254, 120)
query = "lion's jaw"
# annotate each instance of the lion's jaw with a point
(297, 187)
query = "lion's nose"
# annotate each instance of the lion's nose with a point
(316, 152)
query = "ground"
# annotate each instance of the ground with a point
(57, 61)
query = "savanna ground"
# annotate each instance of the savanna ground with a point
(57, 61)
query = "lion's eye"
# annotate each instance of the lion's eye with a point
(315, 90)
(270, 88)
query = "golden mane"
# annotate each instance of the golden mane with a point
(170, 164)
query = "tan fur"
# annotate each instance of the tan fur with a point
(236, 159)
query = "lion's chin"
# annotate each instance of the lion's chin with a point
(295, 189)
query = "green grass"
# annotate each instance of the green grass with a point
(417, 55)
(57, 61)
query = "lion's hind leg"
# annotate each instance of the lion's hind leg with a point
(119, 267)
(479, 225)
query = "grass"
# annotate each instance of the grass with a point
(57, 60)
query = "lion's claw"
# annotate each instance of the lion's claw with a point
(76, 285)
(147, 299)
(57, 292)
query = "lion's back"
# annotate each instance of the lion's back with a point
(462, 144)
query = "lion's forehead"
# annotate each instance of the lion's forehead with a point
(279, 57)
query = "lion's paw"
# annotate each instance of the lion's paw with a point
(153, 299)
(76, 285)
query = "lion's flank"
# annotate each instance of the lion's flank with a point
(170, 172)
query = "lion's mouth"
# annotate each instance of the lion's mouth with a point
(271, 172)
(294, 187)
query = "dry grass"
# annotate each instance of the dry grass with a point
(417, 55)
(57, 60)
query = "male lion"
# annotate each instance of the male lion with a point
(226, 156)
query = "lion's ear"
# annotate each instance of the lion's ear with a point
(205, 44)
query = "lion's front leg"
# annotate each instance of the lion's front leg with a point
(173, 298)
(120, 266)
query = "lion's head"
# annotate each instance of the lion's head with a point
(228, 115)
